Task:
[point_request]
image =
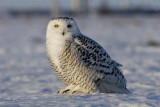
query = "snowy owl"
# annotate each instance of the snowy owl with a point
(80, 62)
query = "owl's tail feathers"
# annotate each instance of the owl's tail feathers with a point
(111, 88)
(116, 64)
(127, 91)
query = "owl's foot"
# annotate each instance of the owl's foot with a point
(67, 90)
(73, 90)
(63, 91)
(77, 92)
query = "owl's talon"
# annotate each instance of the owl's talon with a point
(73, 92)
(77, 92)
(65, 91)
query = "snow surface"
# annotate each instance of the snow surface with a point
(26, 78)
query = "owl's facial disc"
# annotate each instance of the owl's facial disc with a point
(62, 28)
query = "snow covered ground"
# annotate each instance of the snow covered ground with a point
(26, 78)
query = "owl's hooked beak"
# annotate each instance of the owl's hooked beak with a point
(63, 33)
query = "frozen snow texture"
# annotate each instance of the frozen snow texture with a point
(26, 78)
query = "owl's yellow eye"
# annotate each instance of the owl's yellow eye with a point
(56, 26)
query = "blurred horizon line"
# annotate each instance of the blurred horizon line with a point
(48, 12)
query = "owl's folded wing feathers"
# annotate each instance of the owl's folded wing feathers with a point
(93, 54)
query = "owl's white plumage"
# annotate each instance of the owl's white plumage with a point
(80, 62)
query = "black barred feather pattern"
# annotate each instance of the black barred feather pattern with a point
(96, 52)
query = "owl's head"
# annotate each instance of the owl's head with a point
(62, 28)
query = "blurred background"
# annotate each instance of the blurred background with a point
(54, 7)
(129, 30)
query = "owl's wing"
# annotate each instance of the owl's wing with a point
(92, 54)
